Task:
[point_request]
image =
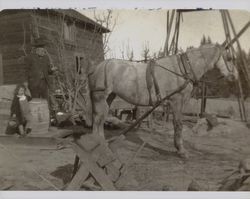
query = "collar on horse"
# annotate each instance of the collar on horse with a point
(186, 72)
(185, 67)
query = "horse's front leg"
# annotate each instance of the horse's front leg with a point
(100, 111)
(176, 106)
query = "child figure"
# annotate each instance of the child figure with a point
(20, 109)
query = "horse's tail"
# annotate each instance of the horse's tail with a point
(88, 110)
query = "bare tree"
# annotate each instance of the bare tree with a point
(130, 52)
(145, 52)
(106, 20)
(72, 81)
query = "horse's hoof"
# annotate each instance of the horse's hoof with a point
(183, 154)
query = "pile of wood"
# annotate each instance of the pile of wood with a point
(96, 167)
(238, 180)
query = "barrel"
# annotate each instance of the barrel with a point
(40, 116)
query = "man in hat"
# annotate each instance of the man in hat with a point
(38, 70)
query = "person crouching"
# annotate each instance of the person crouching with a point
(20, 109)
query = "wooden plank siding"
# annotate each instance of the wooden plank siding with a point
(11, 42)
(1, 70)
(50, 26)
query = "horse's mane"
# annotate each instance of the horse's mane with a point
(204, 46)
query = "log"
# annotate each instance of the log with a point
(78, 179)
(112, 172)
(88, 142)
(227, 45)
(94, 169)
(105, 155)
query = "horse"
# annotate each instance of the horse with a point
(144, 84)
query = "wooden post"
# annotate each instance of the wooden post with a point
(244, 66)
(169, 28)
(1, 70)
(177, 33)
(227, 45)
(229, 41)
(203, 99)
(76, 165)
(244, 63)
(89, 166)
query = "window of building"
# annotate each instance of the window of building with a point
(79, 64)
(69, 31)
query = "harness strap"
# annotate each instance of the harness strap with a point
(150, 73)
(149, 82)
(156, 85)
(186, 62)
(183, 62)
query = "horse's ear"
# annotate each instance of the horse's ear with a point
(223, 45)
(218, 45)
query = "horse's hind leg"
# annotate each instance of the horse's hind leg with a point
(110, 98)
(176, 106)
(100, 112)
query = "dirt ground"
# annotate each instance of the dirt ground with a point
(213, 155)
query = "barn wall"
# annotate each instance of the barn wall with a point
(12, 38)
(1, 70)
(50, 26)
(87, 44)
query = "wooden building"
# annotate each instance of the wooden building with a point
(71, 38)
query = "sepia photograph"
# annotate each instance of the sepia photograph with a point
(124, 99)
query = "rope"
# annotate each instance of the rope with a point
(29, 167)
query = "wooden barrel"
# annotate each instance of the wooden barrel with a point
(4, 114)
(41, 117)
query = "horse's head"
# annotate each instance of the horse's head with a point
(226, 66)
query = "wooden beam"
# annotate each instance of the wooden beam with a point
(169, 27)
(236, 36)
(203, 99)
(243, 60)
(97, 172)
(78, 179)
(193, 10)
(239, 83)
(1, 70)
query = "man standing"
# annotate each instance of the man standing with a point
(38, 70)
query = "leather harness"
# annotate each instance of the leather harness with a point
(186, 72)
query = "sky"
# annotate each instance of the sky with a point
(136, 28)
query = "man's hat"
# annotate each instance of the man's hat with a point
(39, 42)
